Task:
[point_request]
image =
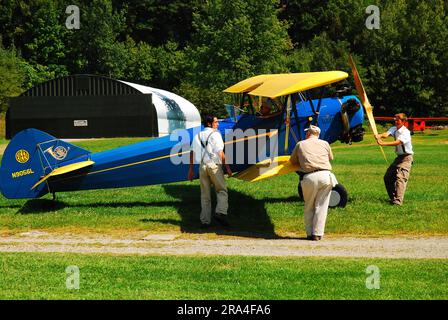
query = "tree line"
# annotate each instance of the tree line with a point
(197, 48)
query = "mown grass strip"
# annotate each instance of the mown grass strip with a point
(43, 276)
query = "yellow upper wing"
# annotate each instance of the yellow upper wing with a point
(277, 85)
(250, 83)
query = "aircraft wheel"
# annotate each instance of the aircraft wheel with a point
(338, 196)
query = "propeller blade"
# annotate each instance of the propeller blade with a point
(365, 100)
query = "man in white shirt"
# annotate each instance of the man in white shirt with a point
(397, 175)
(208, 152)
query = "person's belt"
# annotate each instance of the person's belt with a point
(305, 173)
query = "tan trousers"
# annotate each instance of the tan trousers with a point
(316, 188)
(396, 178)
(212, 174)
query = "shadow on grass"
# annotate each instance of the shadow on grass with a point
(36, 206)
(247, 215)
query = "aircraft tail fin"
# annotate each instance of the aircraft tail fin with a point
(33, 155)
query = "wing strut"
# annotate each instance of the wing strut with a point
(288, 122)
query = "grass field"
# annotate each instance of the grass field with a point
(269, 208)
(43, 276)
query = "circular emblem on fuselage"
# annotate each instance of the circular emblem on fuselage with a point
(60, 153)
(22, 156)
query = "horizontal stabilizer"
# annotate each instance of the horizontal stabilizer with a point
(65, 169)
(268, 168)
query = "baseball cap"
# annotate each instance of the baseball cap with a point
(313, 129)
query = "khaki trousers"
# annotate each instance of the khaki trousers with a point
(316, 188)
(396, 178)
(212, 174)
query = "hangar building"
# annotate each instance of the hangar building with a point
(90, 106)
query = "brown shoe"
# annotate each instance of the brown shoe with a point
(309, 237)
(316, 238)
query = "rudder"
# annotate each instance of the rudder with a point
(31, 155)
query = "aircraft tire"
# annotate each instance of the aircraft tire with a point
(338, 197)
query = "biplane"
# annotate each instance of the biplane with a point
(36, 163)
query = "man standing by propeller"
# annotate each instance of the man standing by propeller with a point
(397, 175)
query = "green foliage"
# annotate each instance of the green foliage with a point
(47, 39)
(11, 77)
(157, 22)
(322, 54)
(232, 41)
(34, 74)
(403, 64)
(407, 58)
(95, 47)
(198, 48)
(169, 65)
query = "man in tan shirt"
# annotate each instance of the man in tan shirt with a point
(313, 156)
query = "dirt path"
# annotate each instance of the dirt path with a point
(176, 244)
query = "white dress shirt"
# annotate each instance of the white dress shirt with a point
(214, 145)
(404, 135)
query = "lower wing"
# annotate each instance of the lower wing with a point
(268, 168)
